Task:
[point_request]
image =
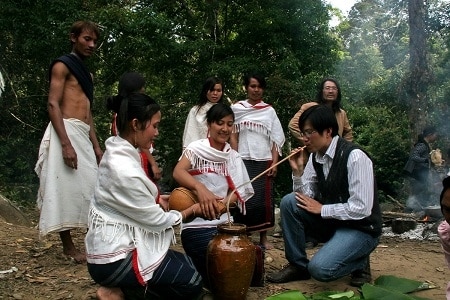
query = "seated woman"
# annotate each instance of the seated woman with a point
(129, 234)
(211, 169)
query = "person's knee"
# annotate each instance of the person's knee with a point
(321, 272)
(287, 202)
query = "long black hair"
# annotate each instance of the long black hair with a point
(209, 85)
(135, 106)
(218, 112)
(336, 106)
(130, 82)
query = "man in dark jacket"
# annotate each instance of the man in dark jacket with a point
(334, 201)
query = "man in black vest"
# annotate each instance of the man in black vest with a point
(334, 201)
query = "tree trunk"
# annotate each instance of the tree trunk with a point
(416, 90)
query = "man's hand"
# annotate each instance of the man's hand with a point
(70, 156)
(307, 203)
(297, 161)
(98, 155)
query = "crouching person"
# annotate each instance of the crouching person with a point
(334, 201)
(129, 234)
(444, 227)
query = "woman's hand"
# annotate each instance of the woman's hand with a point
(208, 202)
(156, 172)
(273, 171)
(164, 202)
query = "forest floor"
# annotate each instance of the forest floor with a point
(41, 271)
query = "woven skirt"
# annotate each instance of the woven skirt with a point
(260, 214)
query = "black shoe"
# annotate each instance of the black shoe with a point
(289, 273)
(359, 277)
(311, 244)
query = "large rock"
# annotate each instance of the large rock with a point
(11, 214)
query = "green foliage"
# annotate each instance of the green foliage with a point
(383, 133)
(174, 46)
(384, 287)
(403, 285)
(288, 295)
(374, 77)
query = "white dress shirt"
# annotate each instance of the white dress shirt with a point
(360, 181)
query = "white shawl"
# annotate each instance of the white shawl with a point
(124, 216)
(195, 127)
(260, 118)
(212, 167)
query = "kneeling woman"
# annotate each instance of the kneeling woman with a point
(129, 233)
(212, 170)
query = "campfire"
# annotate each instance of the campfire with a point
(410, 226)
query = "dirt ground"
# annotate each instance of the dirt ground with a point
(44, 273)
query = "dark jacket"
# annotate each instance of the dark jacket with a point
(334, 189)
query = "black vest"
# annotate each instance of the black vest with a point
(334, 189)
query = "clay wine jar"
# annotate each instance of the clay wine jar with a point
(230, 262)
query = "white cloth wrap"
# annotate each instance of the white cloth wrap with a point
(65, 193)
(124, 214)
(213, 166)
(195, 127)
(259, 130)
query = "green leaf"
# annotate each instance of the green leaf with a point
(402, 285)
(335, 295)
(288, 295)
(348, 294)
(371, 292)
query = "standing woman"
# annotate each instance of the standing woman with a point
(195, 127)
(258, 137)
(418, 170)
(212, 170)
(129, 234)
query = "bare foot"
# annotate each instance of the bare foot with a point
(106, 293)
(267, 246)
(69, 248)
(75, 254)
(263, 240)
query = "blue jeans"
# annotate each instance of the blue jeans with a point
(345, 249)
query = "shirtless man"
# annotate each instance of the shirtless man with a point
(69, 152)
